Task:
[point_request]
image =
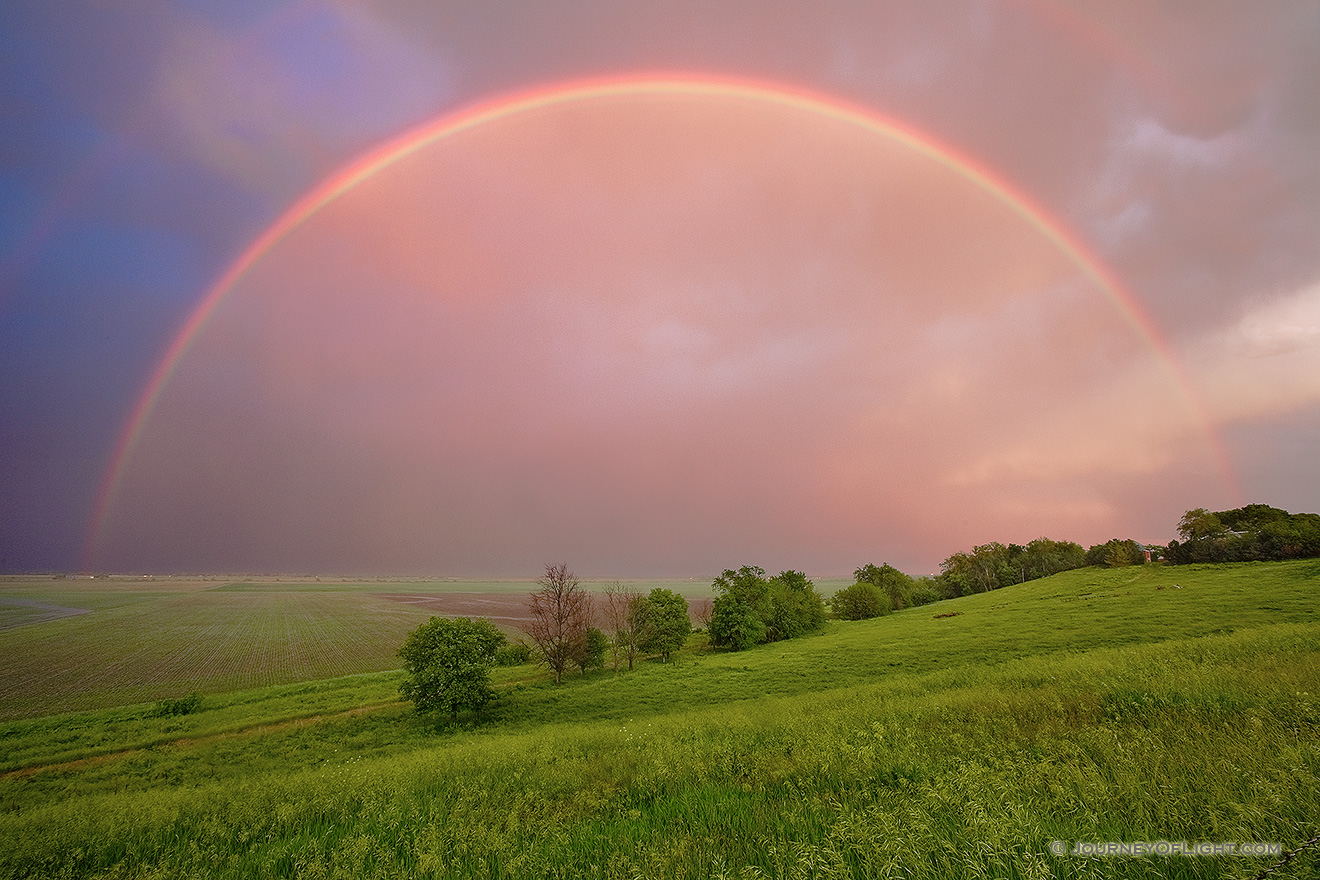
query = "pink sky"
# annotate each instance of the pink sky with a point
(649, 337)
(661, 334)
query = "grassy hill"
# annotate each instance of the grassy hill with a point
(1140, 704)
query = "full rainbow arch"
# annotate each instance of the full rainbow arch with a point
(503, 107)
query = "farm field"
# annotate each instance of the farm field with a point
(81, 643)
(1138, 704)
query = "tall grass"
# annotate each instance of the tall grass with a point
(964, 763)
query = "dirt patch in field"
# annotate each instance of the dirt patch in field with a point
(507, 610)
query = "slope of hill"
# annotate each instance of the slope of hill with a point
(1141, 704)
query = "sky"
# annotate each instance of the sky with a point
(654, 288)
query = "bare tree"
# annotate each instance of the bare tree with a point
(561, 613)
(621, 623)
(701, 611)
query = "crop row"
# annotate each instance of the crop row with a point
(157, 646)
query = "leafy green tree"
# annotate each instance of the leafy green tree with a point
(994, 565)
(1116, 553)
(925, 591)
(448, 662)
(896, 585)
(1118, 556)
(1295, 538)
(735, 624)
(663, 623)
(957, 576)
(752, 608)
(861, 601)
(985, 568)
(1252, 532)
(1044, 557)
(795, 607)
(594, 648)
(748, 585)
(513, 654)
(1199, 523)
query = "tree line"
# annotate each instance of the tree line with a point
(448, 661)
(1256, 532)
(563, 617)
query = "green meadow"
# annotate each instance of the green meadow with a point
(960, 739)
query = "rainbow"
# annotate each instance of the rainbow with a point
(507, 106)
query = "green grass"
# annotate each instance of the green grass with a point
(152, 646)
(1089, 706)
(148, 639)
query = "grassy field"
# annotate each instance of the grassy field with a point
(80, 643)
(1127, 705)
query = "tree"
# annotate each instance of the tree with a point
(560, 615)
(734, 624)
(662, 621)
(448, 662)
(514, 654)
(862, 601)
(925, 590)
(753, 608)
(1252, 532)
(1044, 557)
(737, 618)
(795, 606)
(1116, 553)
(621, 623)
(895, 584)
(593, 653)
(1199, 523)
(986, 568)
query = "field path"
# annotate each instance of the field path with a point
(194, 742)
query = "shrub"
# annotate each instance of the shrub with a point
(593, 650)
(514, 654)
(448, 663)
(862, 601)
(182, 706)
(925, 592)
(663, 623)
(753, 608)
(733, 624)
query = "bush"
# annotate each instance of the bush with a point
(733, 624)
(448, 663)
(514, 654)
(862, 601)
(182, 706)
(662, 623)
(753, 608)
(925, 591)
(593, 650)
